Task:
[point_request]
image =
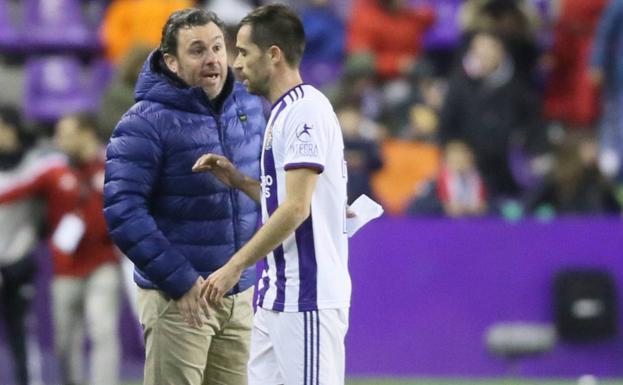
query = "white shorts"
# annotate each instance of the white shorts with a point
(305, 348)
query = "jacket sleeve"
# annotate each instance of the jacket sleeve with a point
(604, 38)
(133, 159)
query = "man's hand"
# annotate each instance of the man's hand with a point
(192, 303)
(219, 283)
(221, 167)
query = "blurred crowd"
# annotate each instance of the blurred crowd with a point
(448, 108)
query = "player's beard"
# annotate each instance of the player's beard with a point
(259, 86)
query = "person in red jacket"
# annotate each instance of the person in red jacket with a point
(571, 96)
(392, 31)
(85, 288)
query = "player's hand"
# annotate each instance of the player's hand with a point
(219, 283)
(192, 304)
(221, 167)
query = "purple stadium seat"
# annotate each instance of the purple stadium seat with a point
(56, 25)
(445, 33)
(54, 88)
(9, 38)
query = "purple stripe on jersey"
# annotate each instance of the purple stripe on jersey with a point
(291, 166)
(308, 268)
(311, 342)
(305, 368)
(281, 108)
(280, 263)
(270, 172)
(266, 280)
(302, 91)
(285, 94)
(317, 348)
(272, 202)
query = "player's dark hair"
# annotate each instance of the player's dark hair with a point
(277, 25)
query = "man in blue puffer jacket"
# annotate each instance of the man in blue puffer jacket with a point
(177, 226)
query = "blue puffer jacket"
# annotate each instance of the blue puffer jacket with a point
(176, 225)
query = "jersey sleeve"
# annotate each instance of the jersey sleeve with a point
(306, 134)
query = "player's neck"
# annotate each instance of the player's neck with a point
(284, 82)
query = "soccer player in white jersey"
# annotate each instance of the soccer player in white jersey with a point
(304, 293)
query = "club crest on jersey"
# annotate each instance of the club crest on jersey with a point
(303, 133)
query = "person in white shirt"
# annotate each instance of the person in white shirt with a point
(304, 293)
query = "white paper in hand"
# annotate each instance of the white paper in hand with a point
(68, 233)
(365, 210)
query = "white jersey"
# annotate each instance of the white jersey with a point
(309, 270)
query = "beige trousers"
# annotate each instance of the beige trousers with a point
(177, 354)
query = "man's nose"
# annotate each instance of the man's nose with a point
(237, 63)
(210, 57)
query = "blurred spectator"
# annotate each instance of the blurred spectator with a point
(607, 73)
(515, 21)
(358, 83)
(408, 162)
(85, 287)
(459, 186)
(423, 125)
(489, 108)
(575, 185)
(424, 98)
(571, 97)
(391, 31)
(119, 95)
(19, 222)
(457, 191)
(130, 22)
(361, 152)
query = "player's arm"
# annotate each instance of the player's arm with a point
(228, 174)
(300, 185)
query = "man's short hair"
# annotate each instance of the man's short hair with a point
(280, 26)
(185, 18)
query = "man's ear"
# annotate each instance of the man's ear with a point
(171, 62)
(275, 54)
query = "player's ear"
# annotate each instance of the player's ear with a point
(275, 54)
